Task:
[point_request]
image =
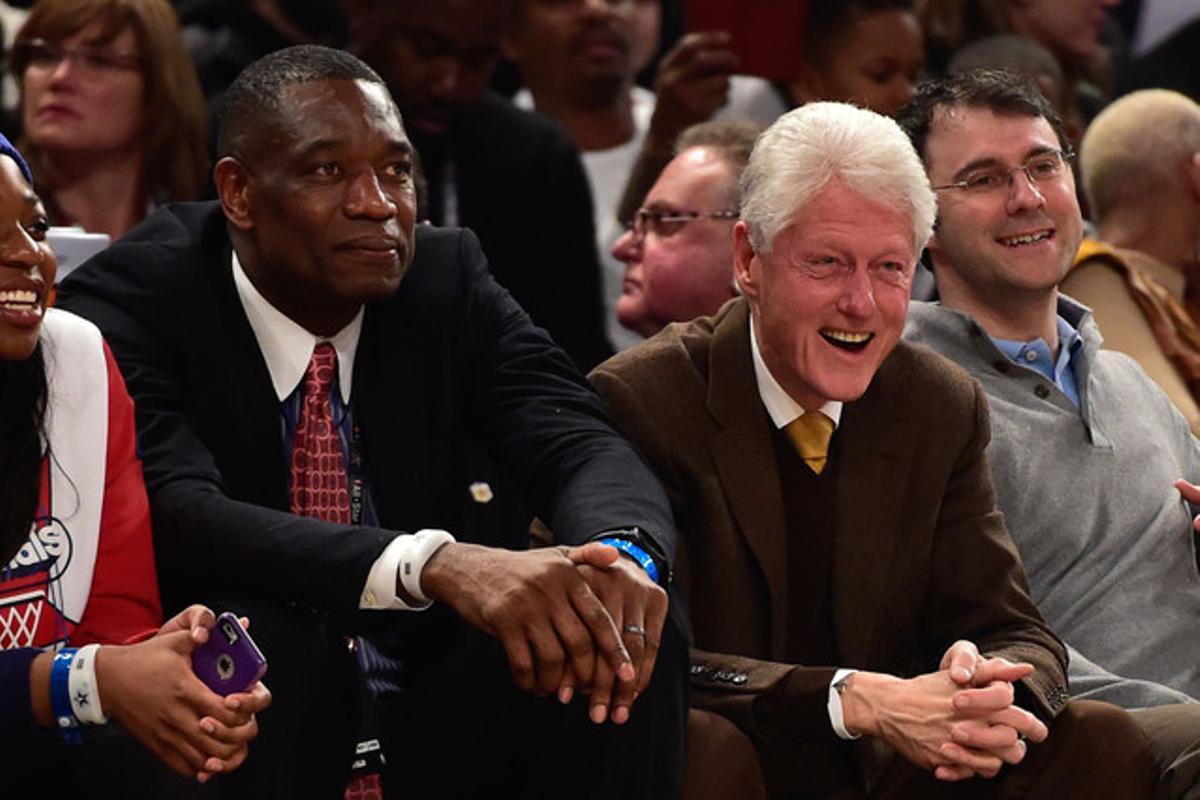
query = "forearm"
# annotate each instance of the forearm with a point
(39, 690)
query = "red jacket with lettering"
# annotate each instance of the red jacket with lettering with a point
(86, 574)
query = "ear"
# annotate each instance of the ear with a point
(232, 182)
(1193, 177)
(745, 272)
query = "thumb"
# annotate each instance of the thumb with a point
(960, 660)
(594, 554)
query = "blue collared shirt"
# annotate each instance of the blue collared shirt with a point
(1036, 355)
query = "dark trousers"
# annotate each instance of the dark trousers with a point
(459, 727)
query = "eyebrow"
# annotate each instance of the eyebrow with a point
(983, 163)
(400, 146)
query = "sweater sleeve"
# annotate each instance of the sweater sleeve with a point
(123, 600)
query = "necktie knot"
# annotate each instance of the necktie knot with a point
(810, 434)
(318, 378)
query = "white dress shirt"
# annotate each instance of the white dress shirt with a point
(783, 410)
(287, 348)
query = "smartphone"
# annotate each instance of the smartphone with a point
(229, 661)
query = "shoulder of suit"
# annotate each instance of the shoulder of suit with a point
(678, 346)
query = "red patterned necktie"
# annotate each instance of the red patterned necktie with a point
(319, 487)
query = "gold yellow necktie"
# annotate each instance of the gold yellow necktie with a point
(810, 433)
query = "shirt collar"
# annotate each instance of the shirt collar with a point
(779, 404)
(286, 346)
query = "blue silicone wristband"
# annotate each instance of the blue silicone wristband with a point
(638, 554)
(60, 696)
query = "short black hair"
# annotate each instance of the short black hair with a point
(257, 93)
(994, 89)
(825, 20)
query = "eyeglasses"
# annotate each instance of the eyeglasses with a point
(1041, 168)
(668, 223)
(40, 54)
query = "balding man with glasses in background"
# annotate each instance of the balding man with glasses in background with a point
(1087, 452)
(677, 249)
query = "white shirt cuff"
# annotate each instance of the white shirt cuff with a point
(379, 593)
(836, 720)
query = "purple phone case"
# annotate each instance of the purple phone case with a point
(229, 661)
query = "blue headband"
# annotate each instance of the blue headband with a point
(6, 148)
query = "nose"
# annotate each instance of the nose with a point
(857, 298)
(902, 92)
(446, 78)
(18, 250)
(627, 248)
(602, 7)
(365, 197)
(1023, 193)
(63, 71)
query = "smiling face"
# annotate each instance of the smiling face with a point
(684, 269)
(1003, 247)
(27, 264)
(74, 105)
(829, 301)
(324, 206)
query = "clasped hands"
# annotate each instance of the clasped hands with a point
(959, 722)
(569, 618)
(151, 690)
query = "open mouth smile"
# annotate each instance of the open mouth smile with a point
(847, 340)
(19, 300)
(1025, 238)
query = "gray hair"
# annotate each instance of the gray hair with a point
(809, 146)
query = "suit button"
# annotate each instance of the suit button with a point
(1041, 390)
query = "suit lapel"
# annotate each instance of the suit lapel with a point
(256, 433)
(870, 493)
(745, 459)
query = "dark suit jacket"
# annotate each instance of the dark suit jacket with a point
(921, 556)
(449, 359)
(522, 189)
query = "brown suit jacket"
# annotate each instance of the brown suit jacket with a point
(921, 555)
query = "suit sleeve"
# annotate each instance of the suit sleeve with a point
(771, 701)
(123, 599)
(545, 424)
(209, 544)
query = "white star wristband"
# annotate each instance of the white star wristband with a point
(84, 691)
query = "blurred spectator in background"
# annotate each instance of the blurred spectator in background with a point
(578, 60)
(224, 36)
(510, 175)
(866, 52)
(112, 113)
(1140, 160)
(1021, 56)
(679, 250)
(1073, 30)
